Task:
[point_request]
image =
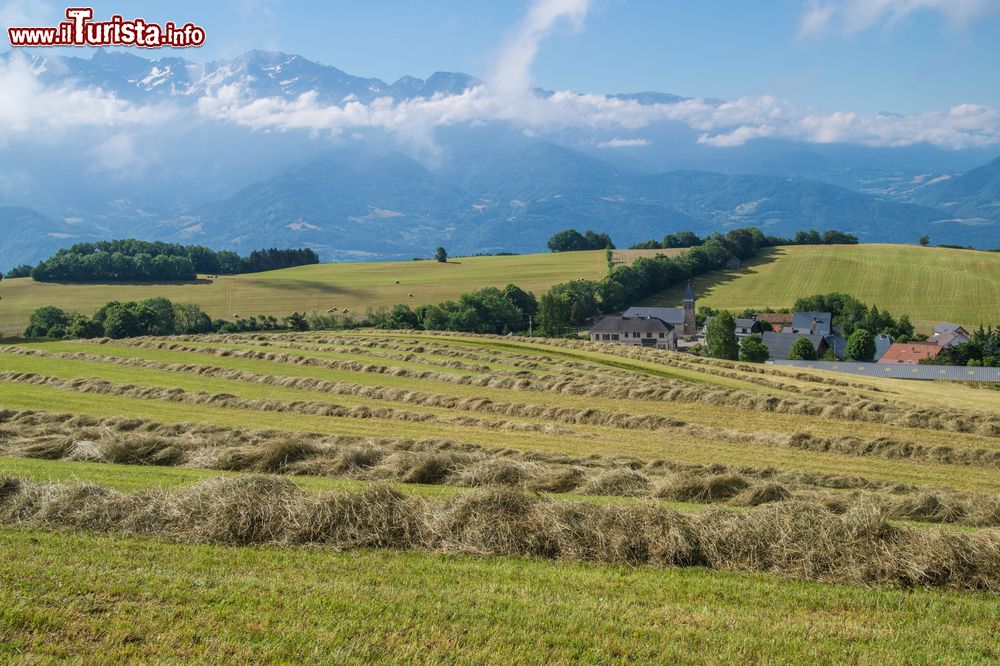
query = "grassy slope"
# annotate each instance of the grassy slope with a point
(929, 284)
(591, 439)
(352, 285)
(125, 597)
(144, 599)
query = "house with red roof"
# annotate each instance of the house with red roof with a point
(910, 353)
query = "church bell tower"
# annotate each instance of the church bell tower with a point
(690, 323)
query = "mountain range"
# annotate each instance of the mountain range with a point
(483, 187)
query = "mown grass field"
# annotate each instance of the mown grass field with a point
(929, 284)
(145, 599)
(807, 518)
(355, 286)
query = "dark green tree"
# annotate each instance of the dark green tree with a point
(401, 316)
(46, 319)
(81, 326)
(802, 350)
(441, 255)
(753, 350)
(925, 241)
(297, 322)
(190, 319)
(555, 313)
(120, 322)
(720, 338)
(861, 346)
(434, 318)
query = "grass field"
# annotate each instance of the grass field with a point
(144, 599)
(559, 501)
(355, 286)
(929, 284)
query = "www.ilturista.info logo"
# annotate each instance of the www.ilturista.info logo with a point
(80, 30)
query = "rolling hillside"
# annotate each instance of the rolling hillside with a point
(355, 286)
(432, 497)
(929, 284)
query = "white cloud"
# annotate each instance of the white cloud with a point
(513, 69)
(851, 16)
(722, 125)
(29, 108)
(623, 143)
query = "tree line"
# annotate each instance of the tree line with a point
(153, 316)
(132, 260)
(684, 239)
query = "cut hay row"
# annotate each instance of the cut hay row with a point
(446, 349)
(137, 442)
(792, 538)
(415, 353)
(95, 385)
(882, 447)
(651, 389)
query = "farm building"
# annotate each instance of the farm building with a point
(643, 331)
(910, 352)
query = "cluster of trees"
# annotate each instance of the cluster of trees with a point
(135, 260)
(488, 310)
(153, 316)
(571, 240)
(683, 239)
(572, 303)
(983, 350)
(850, 314)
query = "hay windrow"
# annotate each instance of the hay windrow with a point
(789, 538)
(437, 461)
(881, 447)
(640, 386)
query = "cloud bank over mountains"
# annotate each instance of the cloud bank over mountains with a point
(31, 107)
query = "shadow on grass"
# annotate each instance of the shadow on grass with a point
(704, 285)
(131, 283)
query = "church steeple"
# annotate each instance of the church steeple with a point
(690, 320)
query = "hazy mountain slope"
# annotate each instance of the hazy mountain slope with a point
(974, 194)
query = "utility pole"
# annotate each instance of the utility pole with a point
(530, 322)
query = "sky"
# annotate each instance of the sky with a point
(881, 73)
(864, 56)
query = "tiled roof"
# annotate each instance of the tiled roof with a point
(673, 316)
(617, 324)
(779, 345)
(775, 317)
(909, 352)
(803, 322)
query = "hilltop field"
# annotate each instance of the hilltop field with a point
(319, 287)
(400, 496)
(929, 284)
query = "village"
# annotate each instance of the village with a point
(678, 329)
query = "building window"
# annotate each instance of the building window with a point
(614, 336)
(661, 335)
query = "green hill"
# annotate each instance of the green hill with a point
(355, 286)
(929, 284)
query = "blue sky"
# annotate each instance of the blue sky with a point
(907, 62)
